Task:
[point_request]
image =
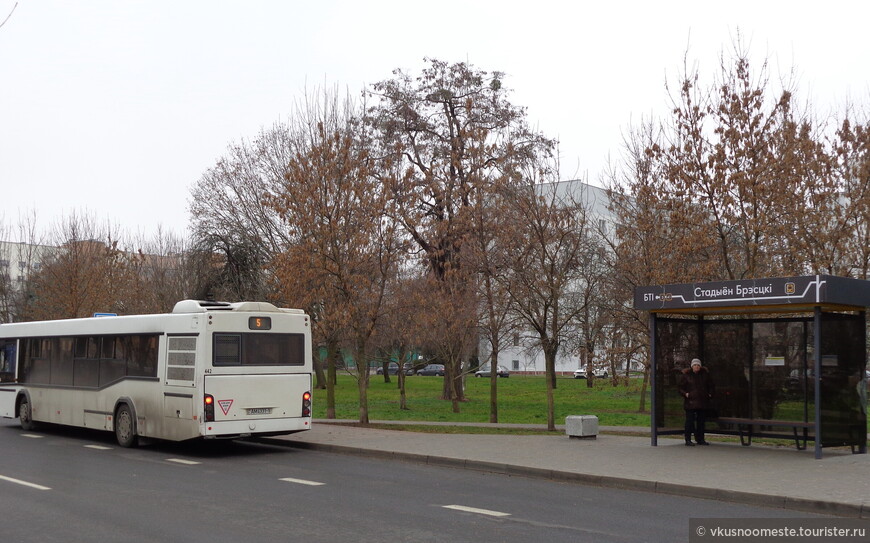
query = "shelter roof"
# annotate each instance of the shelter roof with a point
(771, 295)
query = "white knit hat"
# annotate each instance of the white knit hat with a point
(696, 361)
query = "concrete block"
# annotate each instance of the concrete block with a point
(585, 426)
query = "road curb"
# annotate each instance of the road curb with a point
(606, 481)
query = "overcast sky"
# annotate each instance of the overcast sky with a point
(116, 108)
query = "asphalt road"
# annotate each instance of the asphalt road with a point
(71, 485)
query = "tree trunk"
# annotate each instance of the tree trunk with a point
(450, 392)
(550, 363)
(642, 408)
(452, 389)
(590, 373)
(403, 398)
(362, 385)
(493, 386)
(320, 378)
(362, 368)
(331, 380)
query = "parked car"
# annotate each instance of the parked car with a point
(598, 373)
(432, 369)
(483, 371)
(393, 368)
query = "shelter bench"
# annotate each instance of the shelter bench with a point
(746, 429)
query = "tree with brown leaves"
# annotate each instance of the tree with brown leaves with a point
(851, 170)
(345, 244)
(731, 167)
(556, 270)
(89, 273)
(454, 135)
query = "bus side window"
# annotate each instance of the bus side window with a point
(7, 362)
(141, 355)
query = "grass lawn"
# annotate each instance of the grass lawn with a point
(522, 400)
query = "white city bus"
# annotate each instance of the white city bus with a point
(208, 369)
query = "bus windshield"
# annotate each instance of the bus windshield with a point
(258, 349)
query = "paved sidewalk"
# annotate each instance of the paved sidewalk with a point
(838, 484)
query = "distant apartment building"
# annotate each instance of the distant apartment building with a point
(18, 260)
(522, 354)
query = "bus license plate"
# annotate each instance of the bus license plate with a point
(260, 411)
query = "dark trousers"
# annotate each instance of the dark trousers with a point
(695, 420)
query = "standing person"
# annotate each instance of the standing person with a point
(696, 387)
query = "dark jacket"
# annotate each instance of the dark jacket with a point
(699, 387)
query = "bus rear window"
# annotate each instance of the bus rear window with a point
(256, 349)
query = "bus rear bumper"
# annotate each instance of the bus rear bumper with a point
(255, 427)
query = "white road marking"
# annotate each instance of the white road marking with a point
(25, 483)
(301, 481)
(183, 461)
(34, 436)
(98, 447)
(476, 510)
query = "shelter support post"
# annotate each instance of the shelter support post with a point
(652, 379)
(817, 372)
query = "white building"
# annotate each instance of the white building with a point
(18, 260)
(523, 355)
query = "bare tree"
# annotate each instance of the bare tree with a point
(392, 340)
(851, 169)
(230, 218)
(736, 183)
(491, 250)
(299, 286)
(7, 289)
(651, 242)
(555, 268)
(90, 272)
(165, 272)
(454, 133)
(447, 327)
(732, 162)
(340, 213)
(25, 257)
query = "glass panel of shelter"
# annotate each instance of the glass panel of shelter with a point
(764, 369)
(780, 388)
(677, 342)
(843, 393)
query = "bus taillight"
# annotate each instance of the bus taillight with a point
(306, 404)
(208, 400)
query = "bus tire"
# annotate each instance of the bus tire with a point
(25, 414)
(125, 427)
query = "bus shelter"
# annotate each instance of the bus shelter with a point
(787, 356)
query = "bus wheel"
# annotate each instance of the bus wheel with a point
(125, 431)
(25, 415)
